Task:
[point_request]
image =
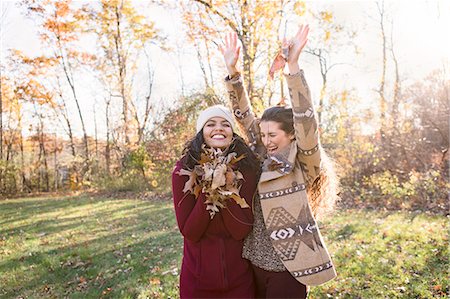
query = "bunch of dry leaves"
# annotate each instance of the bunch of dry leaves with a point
(215, 175)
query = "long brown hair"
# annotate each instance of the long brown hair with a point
(323, 192)
(193, 149)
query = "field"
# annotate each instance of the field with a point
(86, 247)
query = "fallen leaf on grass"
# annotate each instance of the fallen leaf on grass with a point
(46, 288)
(106, 291)
(118, 252)
(82, 284)
(437, 287)
(155, 281)
(173, 271)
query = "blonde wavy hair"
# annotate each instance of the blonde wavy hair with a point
(323, 193)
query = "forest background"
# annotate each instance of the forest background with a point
(98, 99)
(102, 95)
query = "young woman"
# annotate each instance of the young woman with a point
(285, 247)
(212, 265)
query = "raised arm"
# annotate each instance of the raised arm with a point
(305, 121)
(239, 101)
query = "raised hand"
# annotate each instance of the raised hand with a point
(230, 52)
(296, 45)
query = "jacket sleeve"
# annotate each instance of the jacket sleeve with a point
(243, 113)
(239, 221)
(192, 217)
(306, 127)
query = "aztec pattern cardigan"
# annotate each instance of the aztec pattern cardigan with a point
(287, 215)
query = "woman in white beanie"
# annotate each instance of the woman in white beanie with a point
(213, 187)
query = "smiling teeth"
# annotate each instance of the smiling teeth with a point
(218, 137)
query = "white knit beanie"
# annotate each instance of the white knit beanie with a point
(214, 111)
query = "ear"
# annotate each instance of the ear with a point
(292, 136)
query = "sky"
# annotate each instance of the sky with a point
(421, 36)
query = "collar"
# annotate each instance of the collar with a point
(280, 164)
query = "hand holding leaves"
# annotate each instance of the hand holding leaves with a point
(290, 52)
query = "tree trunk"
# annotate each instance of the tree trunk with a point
(121, 63)
(55, 176)
(43, 154)
(24, 182)
(67, 73)
(383, 73)
(148, 106)
(108, 146)
(397, 87)
(1, 130)
(65, 114)
(95, 134)
(1, 123)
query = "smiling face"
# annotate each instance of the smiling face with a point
(217, 133)
(273, 137)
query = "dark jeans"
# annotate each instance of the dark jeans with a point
(277, 285)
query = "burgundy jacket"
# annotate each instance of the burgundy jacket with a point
(212, 255)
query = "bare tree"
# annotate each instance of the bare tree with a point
(381, 91)
(59, 31)
(325, 67)
(108, 142)
(208, 21)
(397, 83)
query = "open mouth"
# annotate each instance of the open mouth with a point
(271, 150)
(218, 137)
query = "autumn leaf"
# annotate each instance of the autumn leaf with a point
(219, 176)
(209, 171)
(189, 186)
(197, 190)
(230, 178)
(235, 160)
(204, 159)
(277, 64)
(240, 201)
(230, 157)
(326, 16)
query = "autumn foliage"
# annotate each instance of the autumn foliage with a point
(396, 157)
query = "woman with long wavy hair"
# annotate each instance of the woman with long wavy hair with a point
(213, 187)
(285, 246)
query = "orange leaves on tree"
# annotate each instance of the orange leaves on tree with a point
(326, 16)
(300, 8)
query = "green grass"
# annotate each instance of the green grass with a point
(82, 247)
(387, 255)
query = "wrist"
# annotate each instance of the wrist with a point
(232, 70)
(293, 68)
